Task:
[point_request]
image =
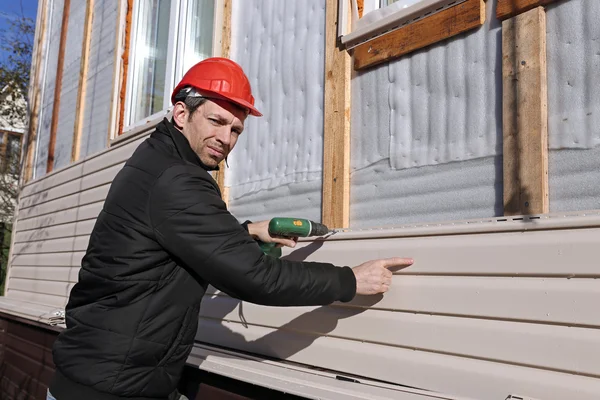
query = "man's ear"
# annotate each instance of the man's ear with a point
(180, 112)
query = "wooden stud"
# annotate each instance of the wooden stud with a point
(35, 94)
(525, 113)
(424, 32)
(83, 73)
(336, 140)
(125, 66)
(509, 8)
(360, 5)
(58, 84)
(225, 49)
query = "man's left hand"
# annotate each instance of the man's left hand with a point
(260, 231)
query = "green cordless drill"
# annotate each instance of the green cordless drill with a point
(291, 227)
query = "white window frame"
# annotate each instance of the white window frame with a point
(350, 36)
(174, 64)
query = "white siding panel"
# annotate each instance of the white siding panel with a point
(43, 287)
(549, 300)
(60, 274)
(35, 297)
(51, 259)
(545, 253)
(475, 378)
(69, 244)
(55, 232)
(560, 348)
(86, 212)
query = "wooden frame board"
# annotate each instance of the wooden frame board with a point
(83, 73)
(525, 113)
(58, 84)
(424, 32)
(336, 139)
(509, 8)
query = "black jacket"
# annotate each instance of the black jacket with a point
(163, 236)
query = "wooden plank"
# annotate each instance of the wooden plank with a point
(447, 23)
(83, 73)
(36, 89)
(125, 61)
(119, 68)
(225, 50)
(525, 113)
(336, 129)
(360, 5)
(58, 84)
(509, 8)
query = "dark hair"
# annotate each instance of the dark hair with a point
(191, 102)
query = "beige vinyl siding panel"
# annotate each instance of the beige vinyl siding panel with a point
(55, 219)
(482, 315)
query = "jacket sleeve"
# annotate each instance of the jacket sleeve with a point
(191, 221)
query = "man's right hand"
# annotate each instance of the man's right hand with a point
(374, 277)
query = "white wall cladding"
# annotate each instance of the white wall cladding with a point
(55, 218)
(70, 85)
(280, 44)
(573, 58)
(467, 318)
(55, 9)
(99, 95)
(416, 123)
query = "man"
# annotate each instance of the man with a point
(163, 236)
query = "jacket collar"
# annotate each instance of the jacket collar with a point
(166, 130)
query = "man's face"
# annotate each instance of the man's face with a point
(213, 129)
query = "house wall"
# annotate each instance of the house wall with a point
(516, 308)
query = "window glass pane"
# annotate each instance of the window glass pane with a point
(150, 58)
(198, 43)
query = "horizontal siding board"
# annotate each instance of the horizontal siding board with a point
(68, 244)
(50, 259)
(544, 253)
(92, 195)
(569, 349)
(58, 231)
(55, 179)
(42, 287)
(116, 155)
(41, 298)
(60, 274)
(83, 213)
(432, 371)
(549, 300)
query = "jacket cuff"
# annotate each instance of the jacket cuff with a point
(245, 225)
(348, 282)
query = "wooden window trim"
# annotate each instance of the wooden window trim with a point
(424, 32)
(510, 8)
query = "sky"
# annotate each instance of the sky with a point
(11, 9)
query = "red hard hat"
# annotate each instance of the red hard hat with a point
(221, 77)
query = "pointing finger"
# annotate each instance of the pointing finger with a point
(397, 262)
